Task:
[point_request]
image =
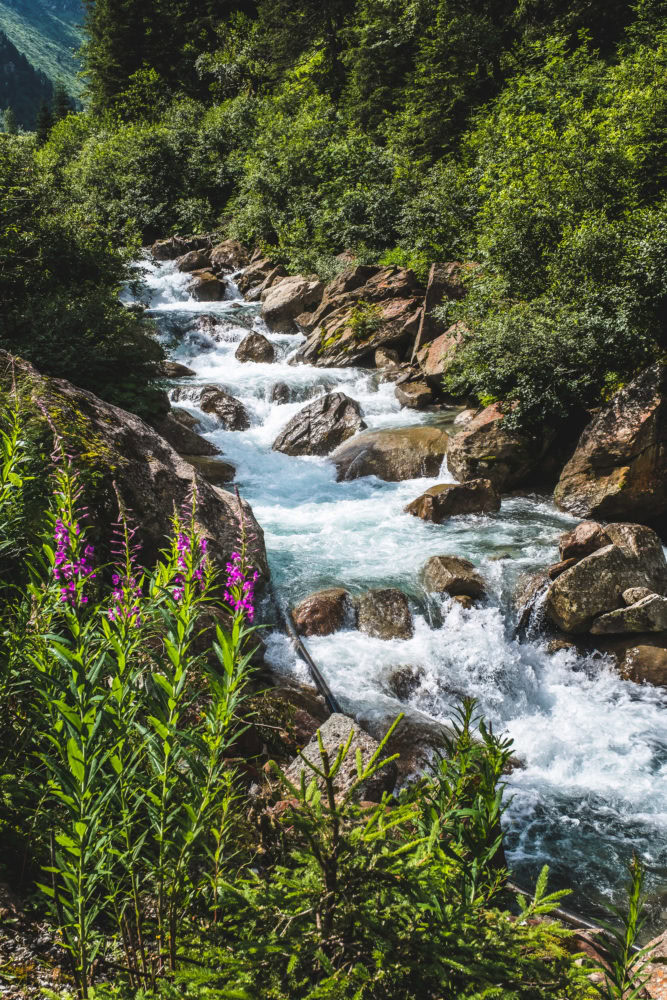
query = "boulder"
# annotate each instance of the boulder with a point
(452, 499)
(445, 282)
(634, 594)
(323, 612)
(485, 449)
(301, 710)
(618, 471)
(255, 274)
(280, 393)
(649, 614)
(557, 568)
(595, 584)
(153, 480)
(587, 537)
(195, 260)
(182, 437)
(321, 426)
(205, 287)
(464, 417)
(174, 369)
(644, 660)
(230, 411)
(228, 256)
(452, 575)
(255, 347)
(435, 359)
(385, 614)
(386, 358)
(214, 470)
(177, 246)
(414, 395)
(392, 455)
(334, 734)
(404, 680)
(275, 275)
(283, 302)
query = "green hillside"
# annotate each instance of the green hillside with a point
(48, 34)
(22, 87)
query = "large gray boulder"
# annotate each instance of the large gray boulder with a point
(229, 410)
(595, 585)
(451, 499)
(284, 301)
(392, 455)
(648, 614)
(385, 614)
(619, 469)
(335, 733)
(321, 426)
(116, 446)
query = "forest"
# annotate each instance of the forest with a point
(525, 137)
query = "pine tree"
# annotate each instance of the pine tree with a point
(44, 123)
(11, 128)
(62, 103)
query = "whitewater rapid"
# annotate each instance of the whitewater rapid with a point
(593, 787)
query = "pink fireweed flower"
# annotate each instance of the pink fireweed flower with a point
(71, 568)
(240, 587)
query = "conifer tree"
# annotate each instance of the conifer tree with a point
(11, 128)
(44, 123)
(62, 103)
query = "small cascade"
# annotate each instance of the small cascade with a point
(593, 786)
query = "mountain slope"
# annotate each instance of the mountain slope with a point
(48, 33)
(22, 87)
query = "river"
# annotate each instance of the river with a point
(593, 787)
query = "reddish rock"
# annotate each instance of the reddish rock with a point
(558, 568)
(619, 469)
(452, 575)
(587, 537)
(485, 449)
(284, 301)
(452, 499)
(445, 281)
(195, 260)
(323, 612)
(436, 358)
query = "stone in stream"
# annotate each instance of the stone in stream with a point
(618, 471)
(284, 301)
(649, 614)
(385, 358)
(385, 614)
(452, 499)
(230, 411)
(195, 260)
(174, 369)
(595, 584)
(392, 455)
(452, 575)
(404, 680)
(177, 246)
(280, 393)
(152, 478)
(587, 537)
(205, 287)
(335, 733)
(324, 612)
(485, 449)
(414, 395)
(255, 347)
(182, 438)
(228, 256)
(321, 426)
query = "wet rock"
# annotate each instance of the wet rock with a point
(436, 359)
(386, 358)
(152, 478)
(452, 499)
(205, 287)
(255, 347)
(181, 436)
(445, 281)
(452, 575)
(414, 395)
(646, 661)
(587, 537)
(557, 645)
(404, 680)
(280, 393)
(323, 612)
(195, 260)
(466, 602)
(484, 448)
(655, 987)
(177, 246)
(335, 733)
(214, 470)
(619, 469)
(174, 369)
(595, 584)
(560, 567)
(321, 426)
(283, 302)
(392, 455)
(255, 274)
(648, 615)
(230, 411)
(385, 614)
(274, 277)
(634, 594)
(228, 256)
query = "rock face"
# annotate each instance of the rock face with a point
(178, 246)
(205, 287)
(452, 575)
(451, 499)
(392, 455)
(214, 471)
(485, 449)
(595, 585)
(587, 537)
(649, 614)
(363, 309)
(195, 260)
(444, 282)
(259, 275)
(385, 614)
(323, 612)
(619, 469)
(230, 411)
(284, 301)
(181, 436)
(255, 347)
(335, 733)
(414, 395)
(321, 426)
(151, 476)
(228, 256)
(435, 358)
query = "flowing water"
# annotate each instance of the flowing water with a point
(593, 787)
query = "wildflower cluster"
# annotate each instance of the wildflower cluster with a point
(72, 564)
(126, 580)
(190, 563)
(240, 587)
